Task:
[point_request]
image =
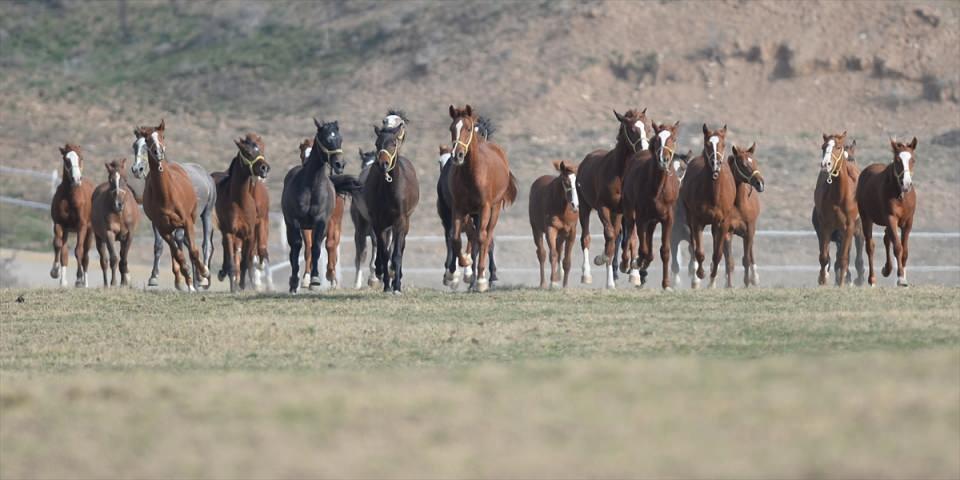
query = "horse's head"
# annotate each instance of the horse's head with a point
(680, 163)
(305, 147)
(663, 144)
(462, 132)
(713, 148)
(116, 178)
(389, 141)
(833, 152)
(633, 130)
(72, 163)
(746, 168)
(251, 151)
(367, 158)
(149, 147)
(904, 157)
(330, 143)
(568, 178)
(445, 153)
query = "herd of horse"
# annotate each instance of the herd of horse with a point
(640, 183)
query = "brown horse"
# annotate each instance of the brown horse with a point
(600, 188)
(742, 221)
(553, 207)
(240, 216)
(170, 203)
(885, 196)
(835, 213)
(481, 185)
(708, 197)
(70, 211)
(651, 187)
(114, 218)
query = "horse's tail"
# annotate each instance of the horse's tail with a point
(512, 191)
(344, 184)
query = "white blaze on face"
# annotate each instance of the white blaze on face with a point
(442, 160)
(715, 141)
(116, 180)
(456, 141)
(74, 161)
(828, 155)
(664, 135)
(156, 142)
(139, 156)
(905, 161)
(574, 199)
(306, 153)
(643, 135)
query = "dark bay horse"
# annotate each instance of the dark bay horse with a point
(114, 218)
(240, 216)
(70, 211)
(361, 226)
(309, 197)
(170, 203)
(708, 195)
(334, 226)
(600, 185)
(742, 220)
(481, 184)
(885, 196)
(204, 189)
(457, 260)
(651, 188)
(553, 207)
(836, 217)
(391, 192)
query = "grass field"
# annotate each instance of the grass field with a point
(517, 383)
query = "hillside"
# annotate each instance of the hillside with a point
(549, 73)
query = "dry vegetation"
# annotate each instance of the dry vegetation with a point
(776, 383)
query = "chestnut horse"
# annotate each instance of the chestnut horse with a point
(115, 216)
(600, 188)
(481, 184)
(170, 203)
(309, 196)
(835, 214)
(391, 192)
(242, 219)
(742, 221)
(203, 186)
(334, 228)
(70, 211)
(484, 128)
(553, 214)
(651, 187)
(708, 197)
(885, 196)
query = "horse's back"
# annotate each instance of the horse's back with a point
(537, 206)
(203, 185)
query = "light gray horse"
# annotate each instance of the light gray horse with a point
(206, 192)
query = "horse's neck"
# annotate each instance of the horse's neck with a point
(621, 152)
(241, 179)
(890, 182)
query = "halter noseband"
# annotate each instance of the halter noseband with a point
(837, 162)
(746, 178)
(466, 146)
(626, 135)
(250, 162)
(392, 162)
(665, 165)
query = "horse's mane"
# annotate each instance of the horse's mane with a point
(485, 127)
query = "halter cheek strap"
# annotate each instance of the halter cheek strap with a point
(837, 164)
(665, 165)
(392, 157)
(250, 162)
(466, 146)
(746, 178)
(626, 135)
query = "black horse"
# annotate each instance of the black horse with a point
(485, 128)
(309, 195)
(360, 215)
(391, 193)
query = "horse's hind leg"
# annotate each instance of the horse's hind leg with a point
(204, 282)
(360, 252)
(493, 264)
(858, 262)
(868, 244)
(585, 275)
(157, 252)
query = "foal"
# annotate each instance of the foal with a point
(835, 213)
(70, 211)
(553, 214)
(115, 217)
(885, 196)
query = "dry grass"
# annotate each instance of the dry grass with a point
(518, 383)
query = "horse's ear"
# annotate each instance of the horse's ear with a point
(123, 163)
(360, 151)
(376, 130)
(844, 134)
(469, 110)
(826, 137)
(63, 150)
(136, 132)
(752, 148)
(453, 112)
(557, 165)
(644, 111)
(317, 123)
(724, 129)
(676, 125)
(705, 129)
(893, 144)
(735, 150)
(913, 144)
(162, 125)
(336, 124)
(239, 143)
(619, 117)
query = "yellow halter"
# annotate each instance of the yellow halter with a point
(466, 146)
(327, 151)
(746, 178)
(837, 163)
(250, 163)
(392, 157)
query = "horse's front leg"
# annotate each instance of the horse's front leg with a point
(82, 253)
(728, 258)
(904, 252)
(609, 237)
(541, 255)
(718, 232)
(858, 261)
(332, 245)
(456, 243)
(488, 220)
(568, 253)
(868, 243)
(585, 276)
(308, 241)
(383, 257)
(554, 256)
(887, 244)
(125, 243)
(104, 259)
(696, 238)
(114, 259)
(823, 240)
(177, 261)
(400, 230)
(843, 255)
(157, 252)
(319, 231)
(59, 269)
(295, 241)
(207, 243)
(666, 234)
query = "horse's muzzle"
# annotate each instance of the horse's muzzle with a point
(263, 170)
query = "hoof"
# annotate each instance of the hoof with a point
(467, 274)
(397, 293)
(599, 260)
(493, 276)
(554, 285)
(668, 288)
(153, 282)
(55, 272)
(483, 285)
(887, 269)
(902, 282)
(586, 279)
(713, 282)
(221, 275)
(635, 279)
(79, 283)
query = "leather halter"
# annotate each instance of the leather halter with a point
(626, 135)
(837, 163)
(392, 157)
